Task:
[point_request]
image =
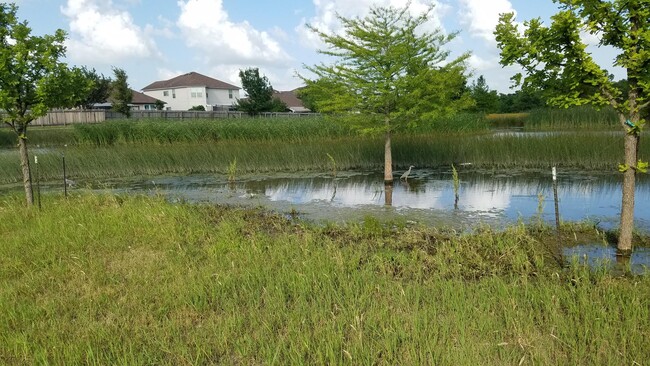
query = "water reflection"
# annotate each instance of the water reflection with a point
(582, 196)
(428, 196)
(605, 256)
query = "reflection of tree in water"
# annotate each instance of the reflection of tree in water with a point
(388, 194)
(484, 193)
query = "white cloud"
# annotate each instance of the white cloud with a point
(206, 26)
(478, 63)
(166, 74)
(101, 33)
(481, 17)
(326, 19)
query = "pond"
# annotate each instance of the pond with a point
(484, 197)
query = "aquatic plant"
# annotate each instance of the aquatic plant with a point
(454, 174)
(232, 170)
(332, 164)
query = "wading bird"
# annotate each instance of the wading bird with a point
(406, 173)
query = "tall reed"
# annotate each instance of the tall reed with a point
(587, 151)
(582, 118)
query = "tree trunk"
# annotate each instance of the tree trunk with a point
(388, 193)
(388, 158)
(627, 206)
(24, 164)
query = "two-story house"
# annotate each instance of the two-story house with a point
(193, 89)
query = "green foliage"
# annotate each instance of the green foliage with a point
(523, 100)
(386, 65)
(308, 98)
(160, 105)
(28, 66)
(232, 170)
(67, 88)
(487, 101)
(121, 94)
(197, 108)
(454, 175)
(260, 94)
(100, 90)
(556, 60)
(641, 167)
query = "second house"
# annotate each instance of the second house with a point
(193, 89)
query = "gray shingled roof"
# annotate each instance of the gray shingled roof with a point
(291, 100)
(136, 98)
(192, 79)
(141, 98)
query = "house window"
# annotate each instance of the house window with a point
(174, 94)
(196, 93)
(166, 93)
(168, 108)
(230, 94)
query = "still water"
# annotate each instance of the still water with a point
(484, 197)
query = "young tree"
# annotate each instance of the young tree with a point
(121, 94)
(390, 71)
(260, 94)
(27, 64)
(100, 90)
(487, 101)
(555, 59)
(160, 105)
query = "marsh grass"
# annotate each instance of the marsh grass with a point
(132, 280)
(39, 136)
(586, 151)
(193, 131)
(507, 120)
(299, 129)
(582, 118)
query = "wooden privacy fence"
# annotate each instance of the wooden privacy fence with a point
(64, 118)
(182, 115)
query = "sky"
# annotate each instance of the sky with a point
(156, 40)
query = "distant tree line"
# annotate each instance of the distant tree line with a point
(485, 100)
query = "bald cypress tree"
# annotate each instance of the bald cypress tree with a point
(391, 71)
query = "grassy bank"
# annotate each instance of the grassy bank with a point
(596, 151)
(132, 280)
